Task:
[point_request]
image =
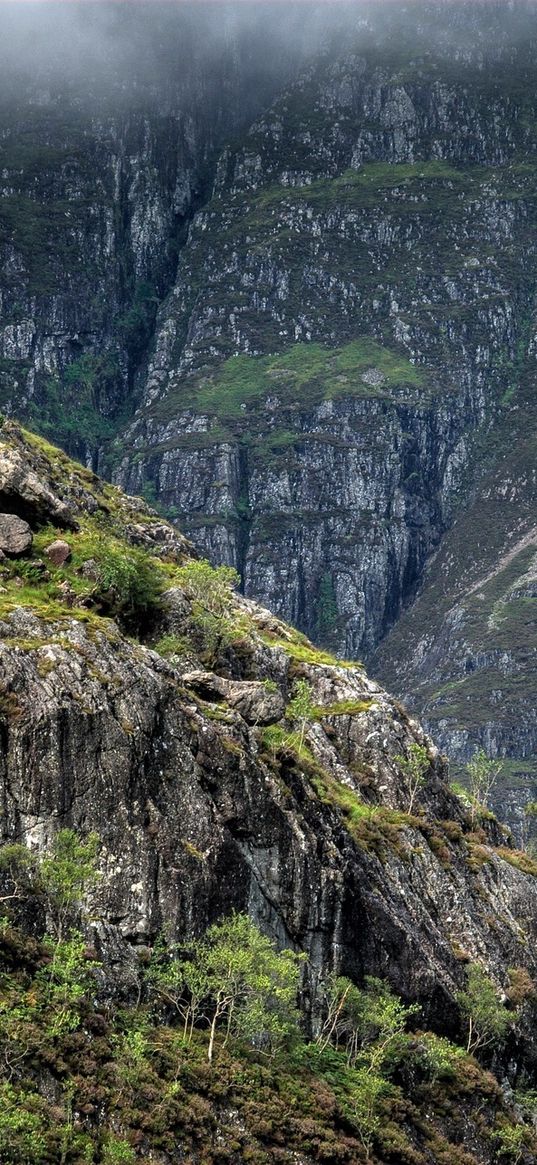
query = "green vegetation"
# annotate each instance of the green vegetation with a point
(214, 1027)
(300, 708)
(305, 373)
(488, 1020)
(414, 766)
(72, 409)
(341, 708)
(235, 980)
(482, 776)
(301, 651)
(214, 622)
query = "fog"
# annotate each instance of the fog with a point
(140, 42)
(104, 48)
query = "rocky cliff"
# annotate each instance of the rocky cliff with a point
(299, 314)
(169, 731)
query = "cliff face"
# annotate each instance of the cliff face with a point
(298, 313)
(177, 745)
(378, 212)
(104, 160)
(201, 795)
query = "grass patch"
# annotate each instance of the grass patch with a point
(341, 708)
(517, 858)
(305, 653)
(305, 374)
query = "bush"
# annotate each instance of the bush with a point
(130, 583)
(488, 1020)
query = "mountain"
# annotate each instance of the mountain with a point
(289, 296)
(220, 762)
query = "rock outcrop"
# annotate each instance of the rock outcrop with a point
(298, 314)
(201, 808)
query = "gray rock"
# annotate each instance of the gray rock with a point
(15, 535)
(58, 552)
(32, 493)
(254, 700)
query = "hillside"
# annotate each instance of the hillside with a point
(210, 759)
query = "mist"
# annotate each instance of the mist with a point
(155, 50)
(91, 44)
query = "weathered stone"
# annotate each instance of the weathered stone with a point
(27, 492)
(89, 569)
(58, 552)
(67, 594)
(254, 700)
(15, 535)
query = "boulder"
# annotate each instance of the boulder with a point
(23, 490)
(256, 703)
(15, 535)
(58, 552)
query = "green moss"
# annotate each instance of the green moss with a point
(304, 652)
(517, 858)
(305, 373)
(342, 708)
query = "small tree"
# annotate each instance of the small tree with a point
(414, 767)
(67, 872)
(301, 708)
(487, 1018)
(211, 587)
(368, 1022)
(482, 776)
(251, 988)
(179, 983)
(17, 872)
(365, 1094)
(369, 1025)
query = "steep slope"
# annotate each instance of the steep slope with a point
(210, 792)
(310, 275)
(463, 655)
(347, 313)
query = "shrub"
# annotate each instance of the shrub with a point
(414, 767)
(22, 1139)
(129, 581)
(488, 1020)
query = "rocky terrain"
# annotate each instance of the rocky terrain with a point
(299, 315)
(144, 700)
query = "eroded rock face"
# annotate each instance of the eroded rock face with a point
(197, 816)
(27, 493)
(208, 796)
(15, 535)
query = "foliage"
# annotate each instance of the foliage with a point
(210, 586)
(364, 1096)
(487, 1018)
(511, 1140)
(129, 581)
(172, 645)
(414, 767)
(438, 1056)
(239, 980)
(117, 1152)
(301, 708)
(482, 776)
(369, 1023)
(67, 872)
(22, 1139)
(17, 869)
(213, 623)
